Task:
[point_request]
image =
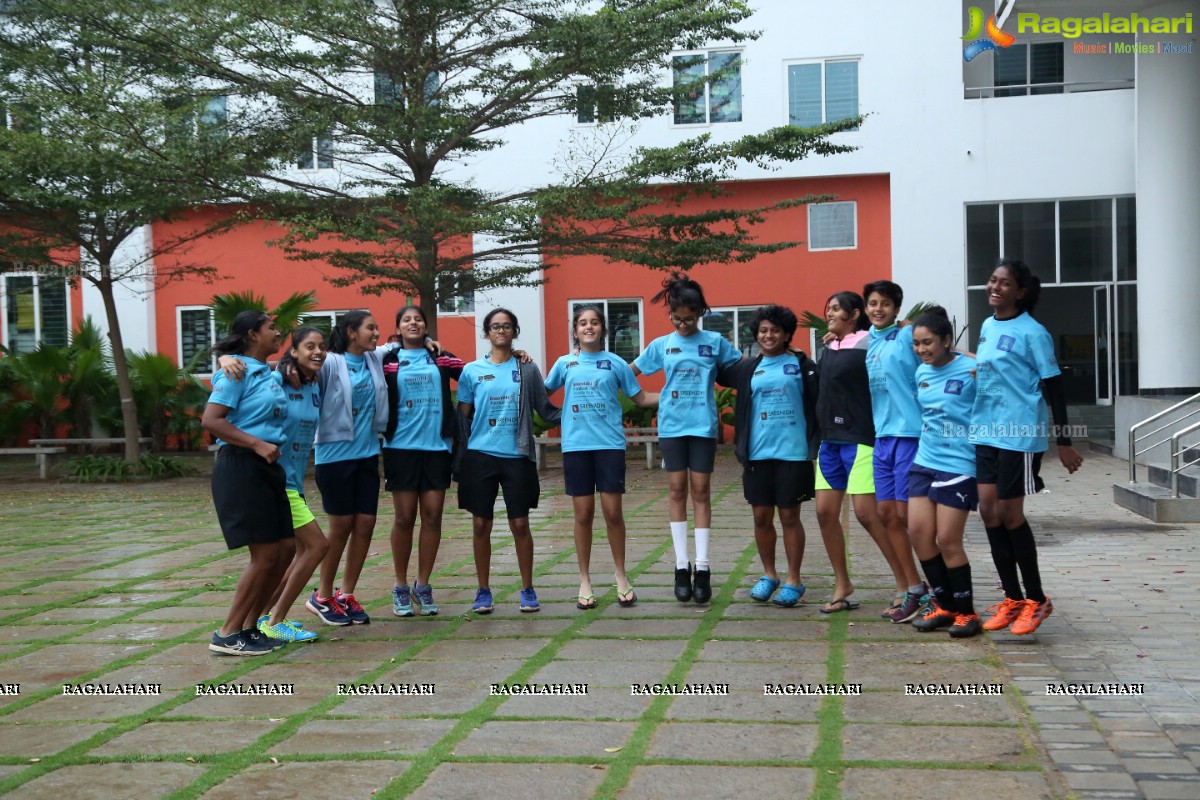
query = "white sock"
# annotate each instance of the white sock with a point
(679, 539)
(918, 589)
(702, 547)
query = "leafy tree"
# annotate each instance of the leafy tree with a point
(104, 137)
(400, 96)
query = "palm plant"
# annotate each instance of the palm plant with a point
(90, 388)
(38, 378)
(226, 307)
(167, 397)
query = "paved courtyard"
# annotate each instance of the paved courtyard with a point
(119, 588)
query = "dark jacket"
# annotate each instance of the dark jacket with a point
(533, 398)
(844, 404)
(738, 375)
(449, 424)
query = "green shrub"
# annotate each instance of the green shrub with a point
(114, 469)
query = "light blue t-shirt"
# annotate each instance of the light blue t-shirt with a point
(947, 397)
(256, 403)
(495, 391)
(591, 418)
(362, 406)
(1013, 357)
(419, 412)
(778, 428)
(687, 406)
(304, 409)
(891, 367)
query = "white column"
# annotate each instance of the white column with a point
(1168, 204)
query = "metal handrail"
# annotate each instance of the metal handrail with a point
(1071, 87)
(1176, 452)
(1133, 452)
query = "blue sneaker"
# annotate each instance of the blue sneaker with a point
(424, 596)
(354, 610)
(284, 632)
(529, 601)
(401, 601)
(763, 590)
(483, 601)
(329, 610)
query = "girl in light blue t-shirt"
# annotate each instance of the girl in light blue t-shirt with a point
(593, 442)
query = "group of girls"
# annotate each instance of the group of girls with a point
(886, 416)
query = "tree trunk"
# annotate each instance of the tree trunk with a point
(425, 286)
(120, 366)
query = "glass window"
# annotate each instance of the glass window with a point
(319, 155)
(1126, 238)
(196, 338)
(822, 91)
(1029, 236)
(35, 312)
(735, 325)
(1022, 65)
(832, 226)
(214, 118)
(457, 296)
(386, 92)
(593, 104)
(707, 88)
(983, 242)
(1085, 240)
(624, 323)
(318, 319)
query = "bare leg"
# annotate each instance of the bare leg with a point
(793, 542)
(481, 543)
(432, 502)
(585, 513)
(614, 521)
(893, 515)
(829, 512)
(764, 538)
(340, 526)
(248, 594)
(356, 554)
(701, 499)
(310, 549)
(405, 506)
(523, 540)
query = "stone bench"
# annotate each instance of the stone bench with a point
(40, 454)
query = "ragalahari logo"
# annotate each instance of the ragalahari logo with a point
(994, 28)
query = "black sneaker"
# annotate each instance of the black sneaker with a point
(236, 645)
(965, 626)
(258, 638)
(683, 584)
(701, 588)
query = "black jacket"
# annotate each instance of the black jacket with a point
(844, 411)
(739, 375)
(449, 423)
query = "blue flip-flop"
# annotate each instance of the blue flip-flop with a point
(789, 595)
(762, 591)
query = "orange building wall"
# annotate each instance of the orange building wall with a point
(245, 261)
(796, 278)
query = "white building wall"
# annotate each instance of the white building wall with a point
(134, 295)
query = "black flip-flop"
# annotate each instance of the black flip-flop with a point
(586, 602)
(840, 604)
(632, 598)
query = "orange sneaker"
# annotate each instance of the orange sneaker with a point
(1004, 613)
(1031, 617)
(936, 617)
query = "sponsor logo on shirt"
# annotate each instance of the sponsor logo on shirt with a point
(575, 409)
(891, 336)
(489, 377)
(705, 350)
(674, 395)
(605, 364)
(673, 350)
(516, 373)
(492, 422)
(762, 415)
(572, 364)
(791, 369)
(954, 387)
(408, 403)
(403, 363)
(758, 372)
(922, 385)
(1006, 343)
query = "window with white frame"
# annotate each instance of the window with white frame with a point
(36, 311)
(707, 87)
(624, 325)
(197, 335)
(822, 91)
(734, 323)
(318, 155)
(833, 226)
(457, 295)
(20, 115)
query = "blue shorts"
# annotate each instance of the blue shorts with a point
(944, 488)
(845, 467)
(893, 461)
(586, 472)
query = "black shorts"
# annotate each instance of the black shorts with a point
(250, 497)
(415, 470)
(688, 452)
(589, 471)
(349, 487)
(773, 482)
(1015, 474)
(482, 476)
(943, 488)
